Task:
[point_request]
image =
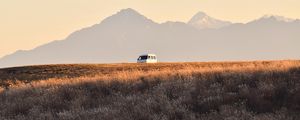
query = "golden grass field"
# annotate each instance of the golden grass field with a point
(262, 90)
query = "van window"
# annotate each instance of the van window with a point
(154, 57)
(143, 57)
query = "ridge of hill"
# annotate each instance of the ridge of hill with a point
(208, 90)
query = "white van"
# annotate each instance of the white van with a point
(147, 58)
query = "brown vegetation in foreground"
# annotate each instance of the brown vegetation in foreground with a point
(263, 90)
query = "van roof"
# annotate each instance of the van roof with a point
(148, 55)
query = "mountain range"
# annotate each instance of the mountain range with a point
(127, 34)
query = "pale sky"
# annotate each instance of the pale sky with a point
(26, 24)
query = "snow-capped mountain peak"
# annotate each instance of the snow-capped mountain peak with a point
(202, 21)
(277, 18)
(199, 15)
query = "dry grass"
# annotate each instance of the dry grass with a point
(213, 90)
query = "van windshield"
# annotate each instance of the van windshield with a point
(143, 57)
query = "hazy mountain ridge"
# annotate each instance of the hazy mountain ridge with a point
(126, 34)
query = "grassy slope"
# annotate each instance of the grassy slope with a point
(241, 90)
